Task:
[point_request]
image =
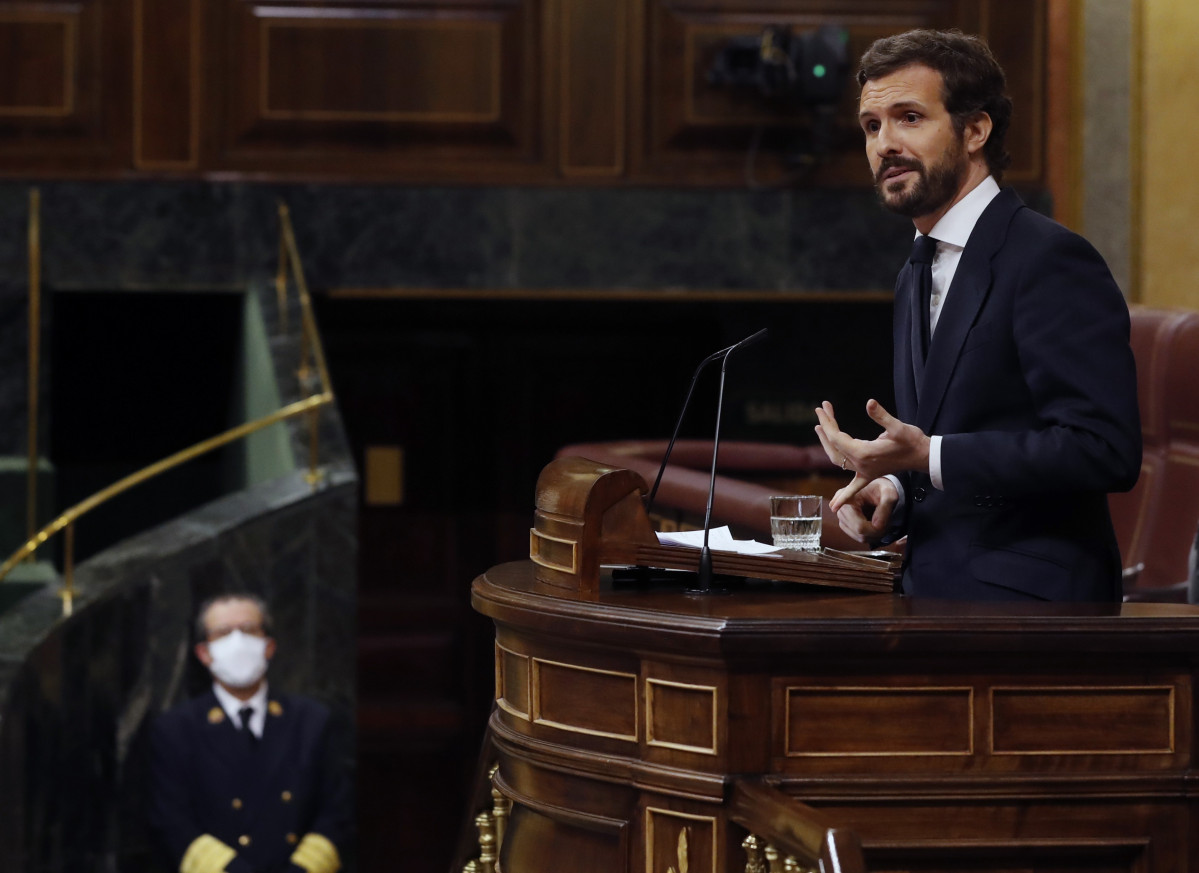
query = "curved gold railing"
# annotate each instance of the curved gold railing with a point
(310, 346)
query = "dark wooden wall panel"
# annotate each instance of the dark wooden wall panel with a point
(430, 91)
(1017, 33)
(63, 86)
(167, 48)
(45, 49)
(431, 71)
(594, 70)
(691, 130)
(462, 91)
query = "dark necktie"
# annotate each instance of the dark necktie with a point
(919, 279)
(246, 713)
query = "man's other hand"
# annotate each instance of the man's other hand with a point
(865, 512)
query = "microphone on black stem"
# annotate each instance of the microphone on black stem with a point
(703, 580)
(653, 492)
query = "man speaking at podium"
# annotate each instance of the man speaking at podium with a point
(1015, 387)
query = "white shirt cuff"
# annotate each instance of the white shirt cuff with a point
(934, 462)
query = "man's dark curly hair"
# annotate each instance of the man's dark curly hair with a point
(973, 80)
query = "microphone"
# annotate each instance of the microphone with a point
(703, 581)
(653, 492)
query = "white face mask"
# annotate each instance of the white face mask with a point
(238, 659)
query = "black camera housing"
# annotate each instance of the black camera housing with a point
(811, 67)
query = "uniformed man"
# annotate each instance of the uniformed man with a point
(242, 779)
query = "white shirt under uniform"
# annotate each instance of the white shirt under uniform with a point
(232, 707)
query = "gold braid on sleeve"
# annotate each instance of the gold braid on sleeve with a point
(206, 854)
(316, 854)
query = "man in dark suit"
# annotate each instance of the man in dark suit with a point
(242, 779)
(1015, 388)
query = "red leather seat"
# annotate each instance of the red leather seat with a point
(1151, 333)
(1156, 522)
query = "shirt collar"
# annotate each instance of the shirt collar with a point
(231, 704)
(956, 225)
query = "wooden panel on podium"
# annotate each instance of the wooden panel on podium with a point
(635, 717)
(947, 736)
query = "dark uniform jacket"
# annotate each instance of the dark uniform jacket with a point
(1031, 383)
(260, 798)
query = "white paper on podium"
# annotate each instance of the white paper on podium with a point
(720, 539)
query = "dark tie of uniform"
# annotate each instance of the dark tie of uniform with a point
(246, 713)
(918, 279)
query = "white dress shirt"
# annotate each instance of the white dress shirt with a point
(231, 705)
(952, 233)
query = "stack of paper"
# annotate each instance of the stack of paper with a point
(720, 539)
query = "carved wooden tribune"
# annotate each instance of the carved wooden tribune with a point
(589, 515)
(946, 736)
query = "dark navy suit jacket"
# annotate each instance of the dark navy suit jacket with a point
(1030, 382)
(208, 780)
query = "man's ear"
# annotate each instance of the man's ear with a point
(203, 654)
(270, 648)
(977, 132)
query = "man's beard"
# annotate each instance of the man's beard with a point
(932, 190)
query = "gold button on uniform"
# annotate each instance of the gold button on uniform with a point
(243, 840)
(287, 797)
(292, 839)
(237, 803)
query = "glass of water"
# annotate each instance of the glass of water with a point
(795, 521)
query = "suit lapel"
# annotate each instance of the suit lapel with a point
(971, 285)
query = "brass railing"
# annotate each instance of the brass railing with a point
(322, 394)
(786, 836)
(35, 356)
(782, 834)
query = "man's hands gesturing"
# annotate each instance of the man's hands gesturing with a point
(864, 506)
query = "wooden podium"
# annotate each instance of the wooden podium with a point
(947, 736)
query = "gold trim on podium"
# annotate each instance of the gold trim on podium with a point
(650, 709)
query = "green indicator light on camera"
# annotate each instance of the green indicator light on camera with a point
(818, 71)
